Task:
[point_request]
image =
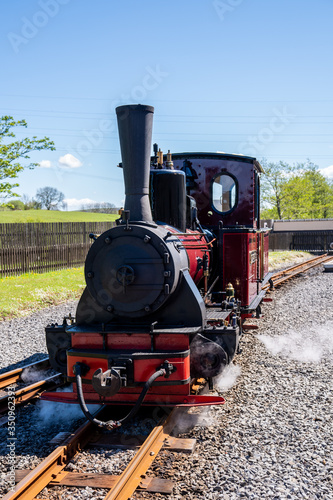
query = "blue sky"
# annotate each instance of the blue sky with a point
(240, 76)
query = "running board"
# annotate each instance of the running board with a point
(255, 302)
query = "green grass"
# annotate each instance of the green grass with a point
(283, 259)
(10, 216)
(22, 295)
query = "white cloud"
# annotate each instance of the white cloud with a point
(67, 161)
(70, 161)
(45, 164)
(328, 171)
(75, 204)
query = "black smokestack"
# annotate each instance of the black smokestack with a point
(135, 125)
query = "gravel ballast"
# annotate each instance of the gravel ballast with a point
(272, 438)
(23, 339)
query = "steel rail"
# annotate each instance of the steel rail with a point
(13, 376)
(290, 272)
(47, 470)
(34, 482)
(301, 264)
(29, 392)
(300, 270)
(131, 478)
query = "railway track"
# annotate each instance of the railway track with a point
(28, 392)
(51, 472)
(285, 275)
(14, 376)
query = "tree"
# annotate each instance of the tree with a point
(296, 192)
(322, 203)
(50, 198)
(15, 205)
(272, 183)
(30, 203)
(12, 153)
(297, 198)
(103, 207)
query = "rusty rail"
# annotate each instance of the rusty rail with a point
(37, 479)
(290, 272)
(29, 392)
(131, 478)
(124, 485)
(13, 376)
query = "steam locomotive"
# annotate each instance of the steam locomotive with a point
(169, 286)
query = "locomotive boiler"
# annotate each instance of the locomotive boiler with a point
(168, 287)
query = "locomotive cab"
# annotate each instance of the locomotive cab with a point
(226, 189)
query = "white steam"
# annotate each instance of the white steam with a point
(31, 375)
(307, 346)
(52, 413)
(188, 418)
(228, 377)
(204, 416)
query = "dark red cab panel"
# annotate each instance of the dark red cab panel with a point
(237, 178)
(240, 264)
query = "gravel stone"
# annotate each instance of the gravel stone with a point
(23, 339)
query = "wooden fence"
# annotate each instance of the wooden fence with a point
(311, 241)
(41, 247)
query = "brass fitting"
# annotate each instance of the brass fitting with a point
(230, 290)
(169, 162)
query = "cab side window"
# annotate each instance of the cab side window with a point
(224, 193)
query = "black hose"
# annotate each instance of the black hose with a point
(113, 424)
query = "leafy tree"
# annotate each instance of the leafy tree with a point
(104, 207)
(30, 203)
(15, 205)
(322, 200)
(50, 198)
(296, 192)
(298, 195)
(12, 153)
(272, 183)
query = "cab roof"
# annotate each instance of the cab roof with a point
(219, 155)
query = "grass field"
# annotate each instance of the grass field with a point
(278, 260)
(10, 216)
(22, 295)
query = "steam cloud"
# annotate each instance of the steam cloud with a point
(31, 375)
(51, 413)
(187, 418)
(228, 377)
(307, 346)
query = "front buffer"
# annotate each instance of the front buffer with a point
(125, 367)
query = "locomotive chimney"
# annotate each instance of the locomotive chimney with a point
(135, 124)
